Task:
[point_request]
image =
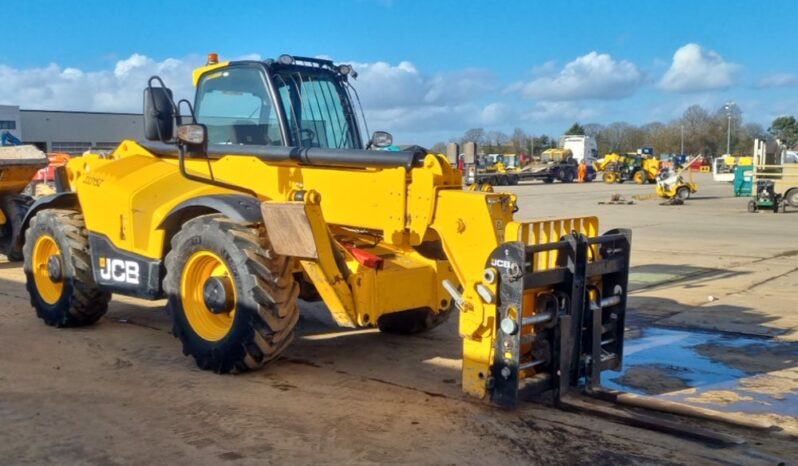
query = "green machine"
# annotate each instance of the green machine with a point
(743, 180)
(766, 198)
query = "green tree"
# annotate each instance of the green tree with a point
(785, 128)
(575, 130)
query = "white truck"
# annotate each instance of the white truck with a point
(582, 148)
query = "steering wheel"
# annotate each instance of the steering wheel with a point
(306, 135)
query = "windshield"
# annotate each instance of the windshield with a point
(236, 106)
(317, 108)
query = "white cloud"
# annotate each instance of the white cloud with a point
(779, 80)
(402, 98)
(396, 97)
(118, 90)
(695, 68)
(496, 113)
(382, 85)
(560, 111)
(592, 76)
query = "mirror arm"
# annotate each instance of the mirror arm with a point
(181, 162)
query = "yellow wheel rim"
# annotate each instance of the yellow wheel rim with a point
(50, 290)
(201, 266)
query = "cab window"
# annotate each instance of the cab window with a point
(236, 106)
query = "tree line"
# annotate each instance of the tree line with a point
(697, 131)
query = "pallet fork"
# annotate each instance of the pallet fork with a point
(561, 339)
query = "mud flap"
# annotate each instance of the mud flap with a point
(560, 324)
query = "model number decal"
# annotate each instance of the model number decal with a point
(120, 271)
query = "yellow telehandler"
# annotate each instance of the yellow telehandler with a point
(265, 188)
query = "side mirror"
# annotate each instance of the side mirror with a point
(193, 135)
(159, 114)
(380, 140)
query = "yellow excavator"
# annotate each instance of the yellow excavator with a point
(265, 188)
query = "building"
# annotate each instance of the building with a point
(72, 132)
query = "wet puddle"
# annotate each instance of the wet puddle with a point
(714, 370)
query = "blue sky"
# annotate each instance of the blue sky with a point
(429, 69)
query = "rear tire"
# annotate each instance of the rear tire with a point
(609, 177)
(752, 206)
(257, 322)
(683, 193)
(412, 322)
(14, 208)
(567, 176)
(639, 177)
(70, 298)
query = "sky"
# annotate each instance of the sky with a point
(428, 70)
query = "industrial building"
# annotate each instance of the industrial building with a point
(68, 131)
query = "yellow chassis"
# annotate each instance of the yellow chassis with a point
(127, 196)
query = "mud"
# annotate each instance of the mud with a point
(652, 379)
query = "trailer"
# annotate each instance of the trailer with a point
(554, 165)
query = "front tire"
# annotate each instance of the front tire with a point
(58, 270)
(232, 298)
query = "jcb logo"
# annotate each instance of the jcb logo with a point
(501, 263)
(120, 271)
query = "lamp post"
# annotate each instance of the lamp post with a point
(728, 107)
(682, 151)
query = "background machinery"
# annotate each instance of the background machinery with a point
(774, 177)
(501, 170)
(18, 163)
(765, 198)
(641, 167)
(8, 139)
(267, 188)
(672, 184)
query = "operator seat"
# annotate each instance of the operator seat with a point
(248, 133)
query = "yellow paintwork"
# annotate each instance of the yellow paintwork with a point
(407, 217)
(204, 69)
(651, 167)
(734, 160)
(50, 290)
(2, 218)
(199, 267)
(669, 191)
(602, 163)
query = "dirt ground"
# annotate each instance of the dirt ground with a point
(121, 392)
